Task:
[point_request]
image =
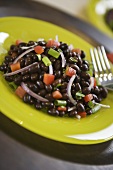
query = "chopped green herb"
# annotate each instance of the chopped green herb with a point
(46, 61)
(53, 53)
(91, 104)
(58, 85)
(13, 85)
(80, 94)
(73, 59)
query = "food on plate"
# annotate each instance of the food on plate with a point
(55, 76)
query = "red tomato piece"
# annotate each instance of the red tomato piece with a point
(88, 97)
(52, 43)
(39, 49)
(82, 114)
(20, 92)
(15, 66)
(70, 71)
(76, 50)
(61, 108)
(48, 78)
(95, 83)
(57, 95)
(18, 42)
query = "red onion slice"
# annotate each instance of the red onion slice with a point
(70, 47)
(50, 69)
(71, 108)
(24, 53)
(63, 59)
(69, 89)
(30, 92)
(25, 48)
(20, 70)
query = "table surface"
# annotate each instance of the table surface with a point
(22, 149)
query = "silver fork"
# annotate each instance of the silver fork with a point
(102, 67)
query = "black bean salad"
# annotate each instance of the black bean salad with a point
(55, 76)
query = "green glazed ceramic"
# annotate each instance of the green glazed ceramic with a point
(93, 129)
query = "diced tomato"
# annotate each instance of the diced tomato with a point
(15, 66)
(20, 92)
(57, 95)
(70, 71)
(82, 114)
(77, 50)
(61, 108)
(18, 42)
(110, 57)
(88, 97)
(39, 49)
(95, 83)
(52, 43)
(48, 78)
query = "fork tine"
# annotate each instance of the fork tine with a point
(97, 59)
(93, 60)
(101, 58)
(105, 57)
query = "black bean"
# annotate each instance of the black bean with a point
(22, 62)
(80, 107)
(57, 65)
(12, 47)
(61, 113)
(8, 58)
(85, 75)
(48, 88)
(49, 97)
(20, 51)
(3, 68)
(56, 82)
(42, 92)
(86, 62)
(44, 67)
(64, 96)
(95, 98)
(24, 72)
(57, 74)
(72, 113)
(53, 112)
(86, 90)
(96, 90)
(64, 85)
(77, 87)
(28, 61)
(9, 78)
(35, 58)
(26, 77)
(104, 92)
(77, 79)
(48, 105)
(74, 66)
(22, 44)
(28, 99)
(38, 106)
(17, 80)
(30, 43)
(83, 55)
(63, 46)
(35, 68)
(84, 83)
(84, 67)
(80, 61)
(33, 87)
(63, 90)
(52, 59)
(34, 77)
(42, 43)
(89, 111)
(40, 84)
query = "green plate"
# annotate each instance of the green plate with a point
(93, 129)
(97, 19)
